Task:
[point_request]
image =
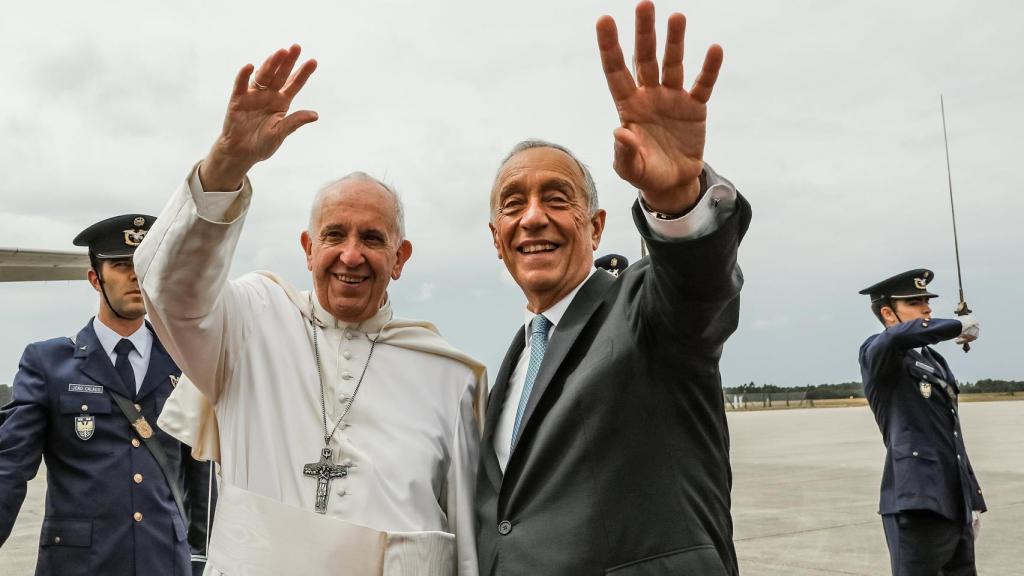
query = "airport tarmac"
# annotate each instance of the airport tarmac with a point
(805, 493)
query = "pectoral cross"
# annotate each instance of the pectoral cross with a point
(324, 472)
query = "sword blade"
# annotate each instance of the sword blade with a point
(952, 205)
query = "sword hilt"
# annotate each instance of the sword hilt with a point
(962, 310)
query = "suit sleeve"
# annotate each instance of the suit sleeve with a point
(690, 293)
(182, 266)
(199, 501)
(461, 480)
(22, 435)
(884, 353)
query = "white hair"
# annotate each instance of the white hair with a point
(588, 180)
(357, 176)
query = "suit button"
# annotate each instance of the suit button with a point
(979, 490)
(85, 407)
(56, 539)
(955, 435)
(137, 478)
(504, 527)
(135, 442)
(957, 456)
(137, 516)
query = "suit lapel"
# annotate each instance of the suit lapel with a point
(583, 306)
(161, 366)
(95, 362)
(496, 402)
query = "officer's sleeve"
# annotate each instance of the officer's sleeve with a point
(22, 434)
(885, 352)
(200, 502)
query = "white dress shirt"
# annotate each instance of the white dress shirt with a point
(714, 207)
(142, 339)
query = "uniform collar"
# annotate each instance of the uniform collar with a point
(371, 325)
(142, 338)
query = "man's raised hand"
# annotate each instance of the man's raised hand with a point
(659, 147)
(257, 120)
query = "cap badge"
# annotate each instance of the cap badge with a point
(134, 237)
(139, 222)
(920, 284)
(926, 389)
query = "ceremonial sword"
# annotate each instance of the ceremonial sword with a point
(961, 308)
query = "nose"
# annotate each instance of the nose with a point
(350, 255)
(534, 216)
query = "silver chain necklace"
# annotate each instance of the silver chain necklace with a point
(325, 470)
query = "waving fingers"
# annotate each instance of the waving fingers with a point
(672, 65)
(646, 48)
(705, 82)
(620, 81)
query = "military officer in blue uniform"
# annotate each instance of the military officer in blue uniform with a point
(930, 497)
(88, 404)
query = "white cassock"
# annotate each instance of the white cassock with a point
(410, 441)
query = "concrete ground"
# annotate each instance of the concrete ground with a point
(804, 496)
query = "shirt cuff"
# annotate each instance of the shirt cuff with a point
(220, 207)
(714, 207)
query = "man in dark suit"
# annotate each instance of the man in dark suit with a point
(929, 493)
(605, 449)
(114, 483)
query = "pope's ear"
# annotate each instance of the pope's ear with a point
(307, 247)
(402, 256)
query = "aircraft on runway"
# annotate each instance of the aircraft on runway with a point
(22, 265)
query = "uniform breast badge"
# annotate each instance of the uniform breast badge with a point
(85, 426)
(926, 389)
(143, 428)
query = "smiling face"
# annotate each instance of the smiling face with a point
(122, 289)
(542, 226)
(353, 248)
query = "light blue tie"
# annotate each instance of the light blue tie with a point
(538, 346)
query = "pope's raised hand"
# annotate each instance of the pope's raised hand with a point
(659, 147)
(257, 120)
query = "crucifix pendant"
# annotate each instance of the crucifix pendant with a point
(324, 471)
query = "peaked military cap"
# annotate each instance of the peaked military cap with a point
(613, 263)
(115, 237)
(909, 284)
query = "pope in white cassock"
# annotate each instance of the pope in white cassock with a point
(313, 402)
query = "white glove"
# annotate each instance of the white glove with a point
(970, 329)
(976, 525)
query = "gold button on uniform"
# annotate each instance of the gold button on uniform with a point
(135, 442)
(56, 539)
(137, 478)
(137, 516)
(85, 407)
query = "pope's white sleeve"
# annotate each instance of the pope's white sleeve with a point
(461, 481)
(182, 266)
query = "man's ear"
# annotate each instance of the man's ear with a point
(94, 280)
(889, 315)
(494, 238)
(403, 255)
(597, 222)
(307, 247)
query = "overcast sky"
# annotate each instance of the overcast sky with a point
(826, 116)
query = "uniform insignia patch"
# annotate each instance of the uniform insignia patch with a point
(920, 284)
(926, 389)
(174, 381)
(924, 366)
(139, 222)
(87, 388)
(85, 426)
(133, 237)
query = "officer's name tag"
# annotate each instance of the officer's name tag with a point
(87, 388)
(924, 366)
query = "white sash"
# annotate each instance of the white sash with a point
(255, 536)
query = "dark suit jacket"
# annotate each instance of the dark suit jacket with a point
(92, 492)
(926, 463)
(622, 464)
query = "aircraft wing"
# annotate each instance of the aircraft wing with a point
(19, 265)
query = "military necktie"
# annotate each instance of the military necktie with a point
(538, 346)
(123, 366)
